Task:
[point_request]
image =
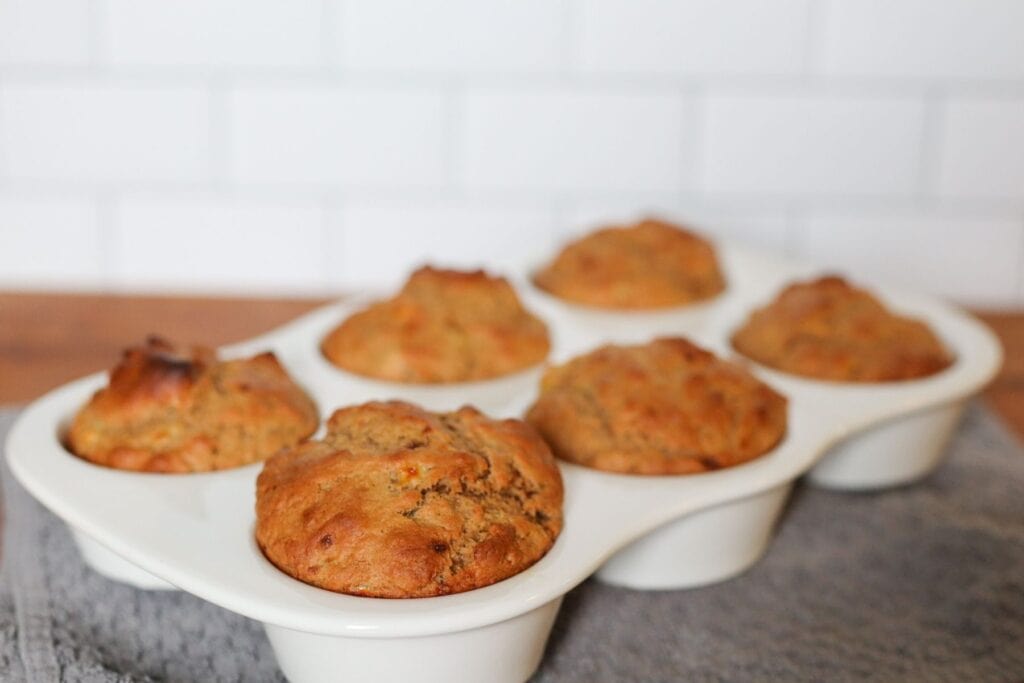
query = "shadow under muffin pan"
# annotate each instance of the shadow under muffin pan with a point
(195, 531)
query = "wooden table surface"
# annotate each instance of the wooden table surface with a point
(48, 339)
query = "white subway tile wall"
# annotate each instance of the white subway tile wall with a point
(388, 238)
(450, 36)
(44, 31)
(217, 33)
(47, 241)
(811, 145)
(933, 39)
(335, 136)
(983, 149)
(229, 245)
(697, 37)
(314, 146)
(93, 133)
(552, 141)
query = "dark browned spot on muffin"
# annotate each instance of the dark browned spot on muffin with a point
(181, 409)
(439, 547)
(709, 463)
(327, 540)
(173, 366)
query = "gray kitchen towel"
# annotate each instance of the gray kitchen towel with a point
(923, 583)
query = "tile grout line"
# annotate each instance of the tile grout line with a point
(815, 23)
(97, 34)
(755, 84)
(219, 131)
(332, 238)
(331, 34)
(392, 192)
(1019, 298)
(4, 171)
(104, 202)
(932, 141)
(796, 231)
(453, 102)
(569, 60)
(697, 101)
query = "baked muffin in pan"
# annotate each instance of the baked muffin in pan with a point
(649, 265)
(170, 409)
(665, 407)
(828, 329)
(443, 326)
(399, 502)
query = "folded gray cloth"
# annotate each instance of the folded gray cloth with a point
(923, 583)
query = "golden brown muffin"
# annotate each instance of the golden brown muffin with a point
(443, 326)
(828, 329)
(398, 502)
(652, 264)
(169, 410)
(666, 407)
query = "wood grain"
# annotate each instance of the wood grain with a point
(48, 339)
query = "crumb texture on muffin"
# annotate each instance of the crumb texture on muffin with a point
(167, 409)
(652, 264)
(829, 329)
(666, 407)
(443, 326)
(398, 502)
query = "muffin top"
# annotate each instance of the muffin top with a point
(829, 329)
(443, 326)
(652, 264)
(398, 502)
(167, 409)
(666, 407)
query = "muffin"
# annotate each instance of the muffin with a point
(666, 407)
(167, 409)
(652, 264)
(829, 329)
(443, 326)
(398, 502)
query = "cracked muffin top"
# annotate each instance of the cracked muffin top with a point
(167, 409)
(829, 329)
(666, 407)
(652, 264)
(443, 326)
(398, 502)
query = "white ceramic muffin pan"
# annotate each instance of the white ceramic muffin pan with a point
(195, 532)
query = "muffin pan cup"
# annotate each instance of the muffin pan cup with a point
(195, 531)
(506, 652)
(706, 547)
(115, 567)
(897, 452)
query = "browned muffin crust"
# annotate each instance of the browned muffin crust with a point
(398, 502)
(829, 329)
(170, 410)
(443, 326)
(652, 264)
(666, 407)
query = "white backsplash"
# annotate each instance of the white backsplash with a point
(311, 145)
